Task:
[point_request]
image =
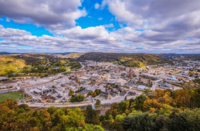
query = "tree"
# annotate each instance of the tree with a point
(184, 121)
(53, 86)
(78, 98)
(89, 93)
(139, 101)
(91, 116)
(148, 92)
(195, 94)
(87, 127)
(182, 98)
(71, 93)
(122, 106)
(98, 91)
(94, 94)
(139, 122)
(98, 102)
(75, 118)
(119, 118)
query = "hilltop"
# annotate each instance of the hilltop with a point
(130, 60)
(71, 55)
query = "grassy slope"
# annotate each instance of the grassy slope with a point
(8, 64)
(12, 95)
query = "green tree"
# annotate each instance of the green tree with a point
(87, 127)
(94, 94)
(184, 121)
(98, 91)
(139, 101)
(139, 122)
(98, 102)
(122, 106)
(71, 93)
(91, 116)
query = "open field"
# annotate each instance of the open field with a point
(13, 95)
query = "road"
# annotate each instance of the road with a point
(155, 84)
(82, 65)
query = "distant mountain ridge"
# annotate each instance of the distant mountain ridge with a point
(127, 59)
(7, 53)
(71, 55)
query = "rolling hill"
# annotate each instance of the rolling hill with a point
(129, 60)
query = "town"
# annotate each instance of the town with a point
(98, 83)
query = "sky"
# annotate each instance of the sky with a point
(127, 26)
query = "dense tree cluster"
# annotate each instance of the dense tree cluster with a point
(82, 88)
(77, 98)
(155, 111)
(23, 118)
(95, 93)
(187, 120)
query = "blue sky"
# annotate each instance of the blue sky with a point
(100, 26)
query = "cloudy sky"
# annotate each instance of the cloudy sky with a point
(132, 26)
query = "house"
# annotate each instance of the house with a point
(77, 73)
(141, 87)
(165, 86)
(2, 87)
(121, 82)
(66, 84)
(112, 81)
(23, 84)
(128, 69)
(105, 94)
(3, 78)
(84, 92)
(144, 80)
(132, 93)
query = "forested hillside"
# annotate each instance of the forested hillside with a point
(37, 64)
(130, 60)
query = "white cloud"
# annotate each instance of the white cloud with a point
(100, 18)
(163, 26)
(94, 39)
(96, 6)
(49, 13)
(109, 25)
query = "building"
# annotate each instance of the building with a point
(144, 80)
(23, 84)
(165, 86)
(105, 94)
(141, 87)
(84, 92)
(3, 78)
(121, 82)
